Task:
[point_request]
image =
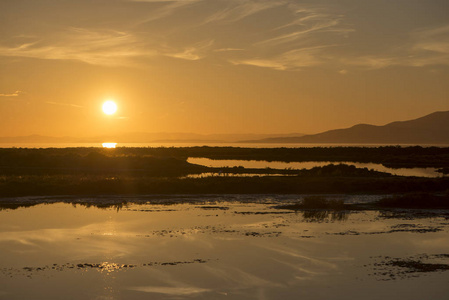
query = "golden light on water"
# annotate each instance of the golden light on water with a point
(109, 107)
(109, 145)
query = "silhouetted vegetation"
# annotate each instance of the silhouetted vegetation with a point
(90, 161)
(329, 170)
(317, 202)
(123, 185)
(418, 200)
(444, 171)
(127, 171)
(318, 215)
(406, 201)
(392, 156)
(319, 208)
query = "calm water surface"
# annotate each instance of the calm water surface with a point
(200, 144)
(420, 172)
(209, 249)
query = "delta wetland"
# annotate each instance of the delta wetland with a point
(139, 223)
(61, 171)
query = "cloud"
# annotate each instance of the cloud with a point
(290, 60)
(431, 46)
(155, 1)
(103, 47)
(228, 49)
(276, 46)
(170, 8)
(425, 47)
(371, 61)
(275, 34)
(160, 0)
(298, 40)
(194, 52)
(240, 9)
(15, 94)
(100, 47)
(64, 104)
(307, 22)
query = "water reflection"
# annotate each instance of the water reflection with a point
(420, 172)
(221, 174)
(172, 291)
(109, 145)
(232, 250)
(321, 215)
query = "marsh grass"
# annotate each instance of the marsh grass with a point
(91, 171)
(317, 203)
(316, 215)
(416, 200)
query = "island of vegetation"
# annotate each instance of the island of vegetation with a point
(99, 171)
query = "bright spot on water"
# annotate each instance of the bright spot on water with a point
(109, 145)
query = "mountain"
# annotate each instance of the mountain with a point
(430, 129)
(35, 138)
(145, 137)
(180, 137)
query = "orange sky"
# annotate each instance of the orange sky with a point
(219, 66)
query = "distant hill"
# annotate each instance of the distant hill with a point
(430, 129)
(145, 137)
(35, 138)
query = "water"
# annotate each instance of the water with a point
(217, 248)
(420, 172)
(200, 144)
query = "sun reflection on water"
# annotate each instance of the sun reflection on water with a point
(110, 267)
(109, 145)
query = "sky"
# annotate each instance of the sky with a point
(219, 66)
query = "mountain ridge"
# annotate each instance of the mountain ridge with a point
(143, 137)
(429, 129)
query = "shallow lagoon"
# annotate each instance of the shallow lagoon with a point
(260, 164)
(220, 248)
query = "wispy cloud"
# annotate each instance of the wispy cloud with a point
(194, 52)
(431, 45)
(370, 61)
(240, 9)
(307, 22)
(127, 46)
(228, 49)
(290, 60)
(291, 36)
(425, 47)
(166, 10)
(149, 1)
(102, 47)
(15, 94)
(64, 104)
(300, 41)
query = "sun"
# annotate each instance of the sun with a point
(109, 107)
